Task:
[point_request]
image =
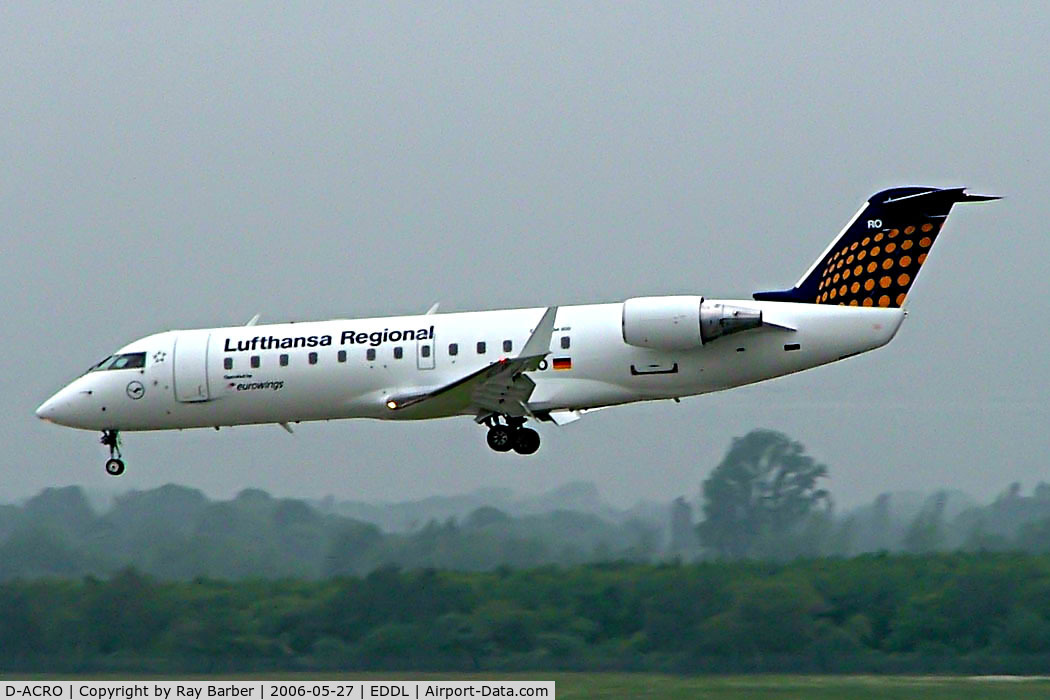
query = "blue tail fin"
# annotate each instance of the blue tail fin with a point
(877, 257)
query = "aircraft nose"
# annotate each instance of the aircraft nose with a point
(46, 410)
(59, 409)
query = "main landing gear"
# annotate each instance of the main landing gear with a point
(512, 436)
(114, 465)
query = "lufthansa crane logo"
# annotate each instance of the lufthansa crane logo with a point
(135, 390)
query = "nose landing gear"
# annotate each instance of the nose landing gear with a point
(114, 465)
(512, 436)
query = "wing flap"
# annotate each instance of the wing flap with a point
(498, 388)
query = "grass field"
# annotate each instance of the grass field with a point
(784, 687)
(646, 685)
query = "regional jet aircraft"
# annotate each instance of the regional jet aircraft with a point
(504, 368)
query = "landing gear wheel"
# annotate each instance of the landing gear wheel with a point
(526, 441)
(500, 438)
(114, 465)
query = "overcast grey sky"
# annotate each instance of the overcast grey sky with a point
(170, 166)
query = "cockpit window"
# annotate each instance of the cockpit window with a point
(131, 360)
(99, 365)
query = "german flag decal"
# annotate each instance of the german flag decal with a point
(562, 363)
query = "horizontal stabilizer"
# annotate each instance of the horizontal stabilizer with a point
(966, 197)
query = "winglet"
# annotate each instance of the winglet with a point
(433, 308)
(253, 321)
(539, 343)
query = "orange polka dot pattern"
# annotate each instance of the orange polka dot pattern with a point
(893, 258)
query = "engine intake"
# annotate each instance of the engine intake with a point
(682, 322)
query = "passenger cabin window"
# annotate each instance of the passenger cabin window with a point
(425, 351)
(227, 363)
(131, 360)
(481, 347)
(565, 342)
(507, 346)
(312, 358)
(255, 362)
(370, 354)
(341, 356)
(398, 352)
(284, 360)
(453, 349)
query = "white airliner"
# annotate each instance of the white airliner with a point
(506, 367)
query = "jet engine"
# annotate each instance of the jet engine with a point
(682, 322)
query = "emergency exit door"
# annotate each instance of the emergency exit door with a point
(191, 366)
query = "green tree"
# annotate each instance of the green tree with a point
(767, 615)
(20, 622)
(766, 483)
(385, 644)
(506, 626)
(350, 548)
(457, 634)
(926, 532)
(1035, 537)
(124, 613)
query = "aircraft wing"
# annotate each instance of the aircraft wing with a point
(499, 388)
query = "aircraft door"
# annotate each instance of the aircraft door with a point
(425, 354)
(191, 366)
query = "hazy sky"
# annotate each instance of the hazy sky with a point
(174, 166)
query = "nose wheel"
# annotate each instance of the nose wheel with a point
(114, 465)
(513, 436)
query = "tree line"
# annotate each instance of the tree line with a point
(767, 499)
(174, 532)
(960, 612)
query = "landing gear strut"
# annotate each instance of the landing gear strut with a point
(114, 465)
(512, 436)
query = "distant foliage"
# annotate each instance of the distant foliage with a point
(766, 500)
(175, 532)
(765, 488)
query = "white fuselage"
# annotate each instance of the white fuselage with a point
(206, 378)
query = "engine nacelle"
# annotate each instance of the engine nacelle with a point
(682, 322)
(718, 319)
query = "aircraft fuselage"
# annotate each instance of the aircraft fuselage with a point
(234, 376)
